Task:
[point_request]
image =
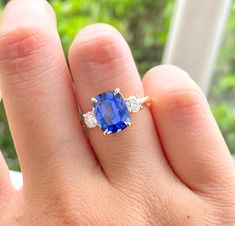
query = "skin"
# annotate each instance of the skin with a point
(171, 167)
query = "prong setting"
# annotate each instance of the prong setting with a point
(128, 123)
(106, 132)
(94, 100)
(116, 91)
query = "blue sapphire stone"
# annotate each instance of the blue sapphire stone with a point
(111, 112)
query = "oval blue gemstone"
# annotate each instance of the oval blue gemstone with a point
(111, 112)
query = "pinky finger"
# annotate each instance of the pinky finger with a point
(5, 184)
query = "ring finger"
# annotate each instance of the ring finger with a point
(100, 61)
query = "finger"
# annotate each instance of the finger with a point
(191, 139)
(5, 184)
(100, 60)
(38, 95)
(4, 172)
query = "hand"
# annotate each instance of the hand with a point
(171, 167)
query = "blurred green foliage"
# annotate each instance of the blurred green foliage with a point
(223, 89)
(145, 25)
(6, 144)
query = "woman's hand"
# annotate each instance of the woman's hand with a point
(171, 167)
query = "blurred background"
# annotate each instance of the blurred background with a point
(145, 25)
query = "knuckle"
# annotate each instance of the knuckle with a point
(105, 47)
(177, 96)
(103, 50)
(63, 211)
(22, 48)
(156, 205)
(187, 100)
(183, 104)
(29, 59)
(223, 204)
(181, 96)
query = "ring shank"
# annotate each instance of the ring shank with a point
(145, 100)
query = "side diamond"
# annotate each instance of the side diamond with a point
(133, 104)
(90, 119)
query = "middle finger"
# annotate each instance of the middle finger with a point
(38, 95)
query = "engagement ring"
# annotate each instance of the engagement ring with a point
(111, 111)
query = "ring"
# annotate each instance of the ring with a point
(111, 111)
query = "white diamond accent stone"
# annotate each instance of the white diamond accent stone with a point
(90, 119)
(133, 104)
